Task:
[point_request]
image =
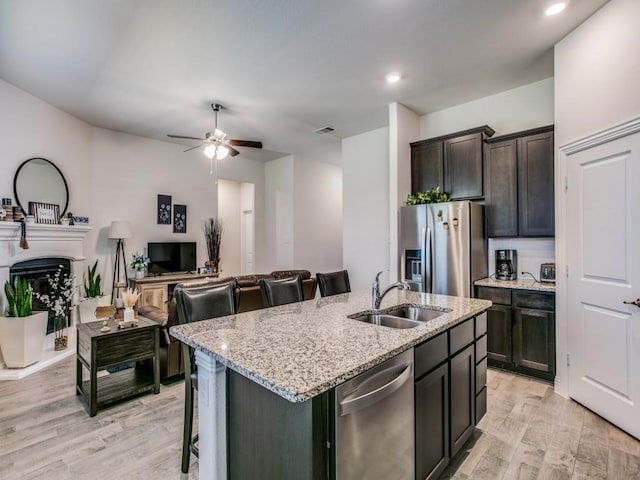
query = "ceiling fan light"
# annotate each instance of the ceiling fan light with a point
(219, 135)
(210, 150)
(222, 152)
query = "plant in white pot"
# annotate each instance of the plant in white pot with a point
(93, 296)
(22, 332)
(139, 263)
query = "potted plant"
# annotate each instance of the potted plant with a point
(59, 299)
(139, 263)
(93, 296)
(433, 195)
(213, 230)
(22, 332)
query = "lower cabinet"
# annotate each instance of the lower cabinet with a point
(521, 331)
(432, 423)
(499, 333)
(463, 394)
(534, 340)
(450, 394)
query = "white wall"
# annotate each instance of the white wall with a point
(365, 193)
(521, 108)
(317, 216)
(30, 128)
(279, 213)
(403, 129)
(229, 211)
(115, 176)
(597, 73)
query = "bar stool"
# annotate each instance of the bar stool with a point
(280, 291)
(193, 305)
(333, 283)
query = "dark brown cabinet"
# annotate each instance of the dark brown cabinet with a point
(452, 162)
(499, 333)
(432, 423)
(519, 187)
(521, 334)
(463, 396)
(450, 393)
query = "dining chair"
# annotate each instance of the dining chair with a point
(194, 305)
(333, 283)
(280, 291)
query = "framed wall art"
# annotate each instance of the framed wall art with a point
(48, 213)
(179, 218)
(164, 209)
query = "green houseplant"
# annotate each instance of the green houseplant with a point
(433, 195)
(92, 287)
(22, 332)
(93, 296)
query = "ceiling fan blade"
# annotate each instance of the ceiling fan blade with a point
(245, 143)
(183, 137)
(193, 148)
(232, 151)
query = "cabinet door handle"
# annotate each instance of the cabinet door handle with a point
(635, 302)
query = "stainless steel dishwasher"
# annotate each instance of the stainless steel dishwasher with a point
(374, 423)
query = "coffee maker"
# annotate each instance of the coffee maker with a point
(506, 264)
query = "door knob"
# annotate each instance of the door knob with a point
(636, 302)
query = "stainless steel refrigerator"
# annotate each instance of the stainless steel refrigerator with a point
(443, 248)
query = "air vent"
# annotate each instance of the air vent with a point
(323, 130)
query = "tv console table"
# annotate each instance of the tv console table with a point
(158, 290)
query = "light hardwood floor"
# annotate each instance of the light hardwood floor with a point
(528, 433)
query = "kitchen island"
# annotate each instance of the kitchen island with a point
(300, 351)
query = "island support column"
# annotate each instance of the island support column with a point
(212, 418)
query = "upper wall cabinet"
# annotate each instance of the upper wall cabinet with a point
(452, 162)
(519, 193)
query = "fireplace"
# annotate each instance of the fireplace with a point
(49, 246)
(35, 272)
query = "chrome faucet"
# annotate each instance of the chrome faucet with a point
(376, 296)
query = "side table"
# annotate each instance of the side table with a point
(98, 350)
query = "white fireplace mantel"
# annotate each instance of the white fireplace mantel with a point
(45, 241)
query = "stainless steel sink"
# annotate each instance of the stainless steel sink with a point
(411, 312)
(386, 320)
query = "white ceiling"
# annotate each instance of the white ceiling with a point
(281, 67)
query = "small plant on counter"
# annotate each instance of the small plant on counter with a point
(433, 195)
(92, 282)
(19, 297)
(139, 262)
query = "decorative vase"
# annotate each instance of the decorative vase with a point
(139, 274)
(22, 339)
(61, 339)
(128, 314)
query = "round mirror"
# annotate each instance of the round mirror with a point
(39, 180)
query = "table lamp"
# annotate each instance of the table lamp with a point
(119, 230)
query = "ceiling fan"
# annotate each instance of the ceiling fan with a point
(216, 143)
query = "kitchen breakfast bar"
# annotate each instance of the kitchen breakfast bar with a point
(273, 385)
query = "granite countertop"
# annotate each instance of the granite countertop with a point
(519, 284)
(301, 350)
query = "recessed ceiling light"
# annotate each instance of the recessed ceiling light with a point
(392, 77)
(555, 8)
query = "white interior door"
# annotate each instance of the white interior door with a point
(248, 241)
(603, 238)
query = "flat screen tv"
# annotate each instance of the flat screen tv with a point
(171, 257)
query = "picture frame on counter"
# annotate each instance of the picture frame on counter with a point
(46, 213)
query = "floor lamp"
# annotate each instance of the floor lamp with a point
(119, 230)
